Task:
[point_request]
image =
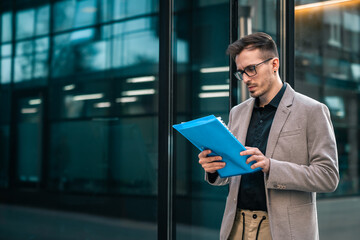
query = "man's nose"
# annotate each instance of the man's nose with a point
(245, 78)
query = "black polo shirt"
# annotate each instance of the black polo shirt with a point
(252, 190)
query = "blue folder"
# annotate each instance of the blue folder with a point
(210, 133)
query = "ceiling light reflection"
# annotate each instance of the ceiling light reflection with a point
(321, 4)
(214, 94)
(215, 87)
(36, 101)
(141, 79)
(102, 105)
(214, 69)
(69, 87)
(139, 92)
(126, 99)
(29, 110)
(88, 97)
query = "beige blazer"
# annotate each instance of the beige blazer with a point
(303, 161)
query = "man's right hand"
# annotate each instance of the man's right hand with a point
(210, 164)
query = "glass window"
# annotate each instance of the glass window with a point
(42, 20)
(327, 66)
(80, 51)
(327, 50)
(74, 14)
(23, 61)
(137, 95)
(4, 155)
(29, 140)
(6, 29)
(41, 58)
(6, 52)
(83, 99)
(31, 59)
(104, 123)
(109, 156)
(6, 70)
(119, 9)
(5, 108)
(25, 23)
(129, 38)
(202, 88)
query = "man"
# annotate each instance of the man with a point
(290, 137)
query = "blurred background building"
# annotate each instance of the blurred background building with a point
(90, 88)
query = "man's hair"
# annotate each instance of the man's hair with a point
(259, 40)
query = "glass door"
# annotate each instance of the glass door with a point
(204, 85)
(29, 138)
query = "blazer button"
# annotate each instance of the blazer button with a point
(254, 216)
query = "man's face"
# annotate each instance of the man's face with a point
(262, 83)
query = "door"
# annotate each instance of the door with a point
(28, 129)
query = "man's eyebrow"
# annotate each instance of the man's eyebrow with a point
(251, 65)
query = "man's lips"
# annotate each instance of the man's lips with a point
(251, 88)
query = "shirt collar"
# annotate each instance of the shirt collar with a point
(275, 101)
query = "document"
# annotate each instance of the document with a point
(212, 133)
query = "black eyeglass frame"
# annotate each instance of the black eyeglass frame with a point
(239, 74)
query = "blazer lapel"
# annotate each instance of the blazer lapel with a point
(280, 118)
(246, 121)
(243, 128)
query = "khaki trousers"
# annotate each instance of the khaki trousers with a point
(256, 224)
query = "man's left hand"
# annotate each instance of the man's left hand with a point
(261, 161)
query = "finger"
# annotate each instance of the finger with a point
(256, 158)
(204, 153)
(214, 166)
(260, 164)
(205, 160)
(251, 151)
(263, 164)
(249, 147)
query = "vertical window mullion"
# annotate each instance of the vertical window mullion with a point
(166, 164)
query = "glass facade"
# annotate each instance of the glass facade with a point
(328, 69)
(202, 88)
(80, 109)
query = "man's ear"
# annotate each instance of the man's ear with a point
(276, 64)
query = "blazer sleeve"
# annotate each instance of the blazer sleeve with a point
(321, 174)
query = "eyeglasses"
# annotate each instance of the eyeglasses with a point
(250, 71)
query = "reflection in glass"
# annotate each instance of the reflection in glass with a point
(6, 27)
(31, 59)
(74, 14)
(129, 38)
(4, 155)
(6, 50)
(5, 74)
(25, 23)
(201, 73)
(5, 70)
(29, 141)
(41, 58)
(92, 50)
(118, 156)
(42, 20)
(327, 41)
(78, 52)
(119, 9)
(23, 61)
(201, 31)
